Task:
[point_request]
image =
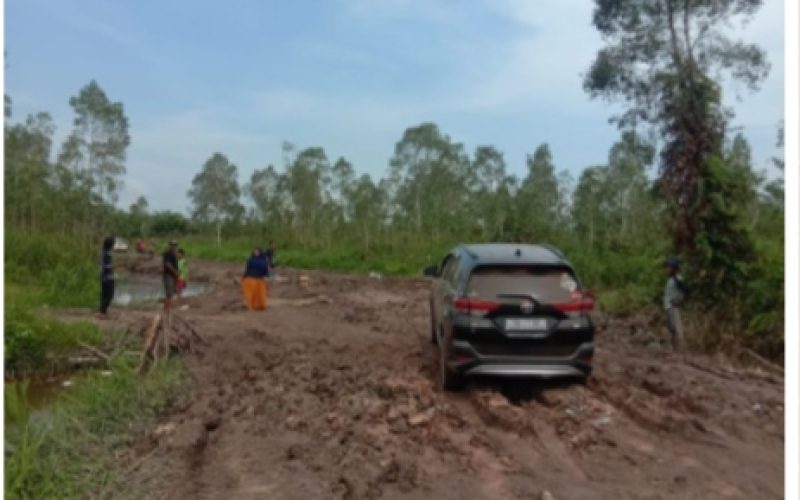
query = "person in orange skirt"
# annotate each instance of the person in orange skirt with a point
(254, 285)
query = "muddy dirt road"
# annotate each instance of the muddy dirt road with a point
(330, 394)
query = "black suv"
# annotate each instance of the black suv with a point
(509, 309)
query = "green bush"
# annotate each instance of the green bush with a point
(31, 339)
(64, 271)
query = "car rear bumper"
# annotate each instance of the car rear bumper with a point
(468, 361)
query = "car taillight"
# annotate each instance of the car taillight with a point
(474, 307)
(580, 303)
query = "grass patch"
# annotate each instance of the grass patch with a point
(70, 452)
(33, 342)
(62, 272)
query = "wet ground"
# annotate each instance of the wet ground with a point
(132, 289)
(330, 394)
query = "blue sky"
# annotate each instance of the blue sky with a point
(348, 75)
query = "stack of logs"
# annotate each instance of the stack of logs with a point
(166, 334)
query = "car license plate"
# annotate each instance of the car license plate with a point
(526, 324)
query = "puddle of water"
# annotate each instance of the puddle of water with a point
(36, 398)
(131, 290)
(41, 393)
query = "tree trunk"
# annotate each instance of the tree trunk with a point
(219, 234)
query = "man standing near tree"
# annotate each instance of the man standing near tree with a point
(674, 293)
(170, 275)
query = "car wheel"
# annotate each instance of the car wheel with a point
(448, 379)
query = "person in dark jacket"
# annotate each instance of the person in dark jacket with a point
(106, 276)
(169, 275)
(254, 285)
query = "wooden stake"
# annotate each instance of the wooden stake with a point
(150, 343)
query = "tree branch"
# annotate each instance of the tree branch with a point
(686, 36)
(676, 53)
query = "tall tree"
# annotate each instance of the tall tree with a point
(27, 170)
(139, 207)
(215, 193)
(138, 212)
(658, 58)
(588, 218)
(491, 188)
(306, 183)
(627, 200)
(343, 176)
(98, 143)
(429, 176)
(538, 198)
(268, 190)
(366, 209)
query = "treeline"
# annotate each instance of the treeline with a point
(697, 195)
(613, 220)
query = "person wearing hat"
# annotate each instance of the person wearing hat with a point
(674, 293)
(170, 274)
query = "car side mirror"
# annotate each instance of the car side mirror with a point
(431, 271)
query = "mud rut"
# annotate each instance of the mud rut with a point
(330, 394)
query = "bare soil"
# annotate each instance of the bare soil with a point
(330, 393)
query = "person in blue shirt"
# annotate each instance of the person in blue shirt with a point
(254, 285)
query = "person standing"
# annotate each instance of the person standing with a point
(270, 256)
(106, 276)
(183, 272)
(254, 286)
(170, 275)
(674, 294)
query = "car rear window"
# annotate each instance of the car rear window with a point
(545, 284)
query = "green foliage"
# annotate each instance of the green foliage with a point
(658, 58)
(64, 272)
(95, 151)
(651, 42)
(52, 270)
(168, 224)
(725, 253)
(215, 193)
(72, 456)
(74, 195)
(32, 340)
(538, 214)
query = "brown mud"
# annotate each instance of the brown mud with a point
(330, 393)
